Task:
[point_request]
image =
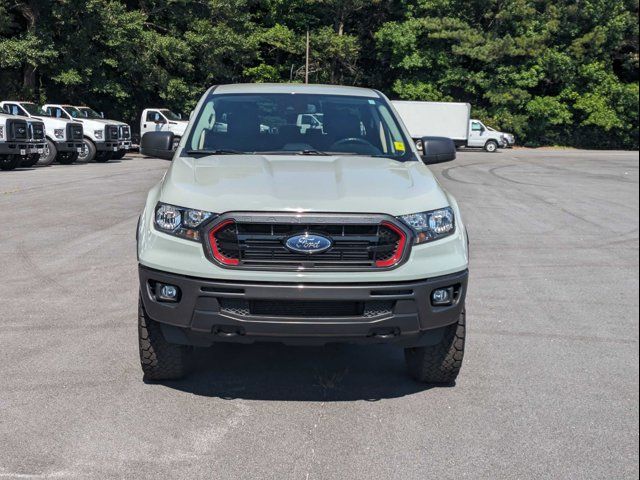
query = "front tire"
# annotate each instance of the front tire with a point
(88, 152)
(160, 360)
(30, 160)
(118, 155)
(491, 146)
(439, 363)
(49, 154)
(9, 162)
(103, 157)
(67, 158)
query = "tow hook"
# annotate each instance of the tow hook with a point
(228, 331)
(384, 333)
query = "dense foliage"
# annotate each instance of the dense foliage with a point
(552, 72)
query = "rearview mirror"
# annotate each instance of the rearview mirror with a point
(157, 144)
(436, 149)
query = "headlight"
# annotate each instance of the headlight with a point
(98, 134)
(432, 225)
(59, 133)
(179, 221)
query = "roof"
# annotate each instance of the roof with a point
(294, 88)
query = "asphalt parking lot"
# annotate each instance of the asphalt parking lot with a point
(549, 388)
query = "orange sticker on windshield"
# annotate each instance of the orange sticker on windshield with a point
(399, 146)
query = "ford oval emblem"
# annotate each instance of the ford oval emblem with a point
(308, 243)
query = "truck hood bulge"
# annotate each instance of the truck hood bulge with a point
(269, 183)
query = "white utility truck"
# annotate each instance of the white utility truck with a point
(124, 130)
(100, 140)
(163, 120)
(447, 119)
(63, 140)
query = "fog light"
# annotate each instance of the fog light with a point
(167, 293)
(442, 296)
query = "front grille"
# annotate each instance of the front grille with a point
(111, 132)
(17, 130)
(74, 131)
(262, 245)
(124, 132)
(36, 131)
(306, 309)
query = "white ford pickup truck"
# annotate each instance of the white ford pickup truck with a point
(269, 231)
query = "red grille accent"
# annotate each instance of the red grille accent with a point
(215, 247)
(397, 255)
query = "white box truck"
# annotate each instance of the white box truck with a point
(447, 119)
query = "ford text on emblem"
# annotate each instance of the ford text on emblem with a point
(308, 243)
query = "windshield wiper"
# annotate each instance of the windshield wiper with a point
(293, 152)
(219, 151)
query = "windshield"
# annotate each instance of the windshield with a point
(87, 112)
(33, 109)
(275, 123)
(170, 115)
(74, 112)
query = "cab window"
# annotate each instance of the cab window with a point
(155, 117)
(13, 109)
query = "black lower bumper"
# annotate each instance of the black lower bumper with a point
(210, 311)
(70, 146)
(110, 146)
(14, 148)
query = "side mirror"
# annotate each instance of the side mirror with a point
(157, 144)
(436, 149)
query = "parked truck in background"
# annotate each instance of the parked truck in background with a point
(63, 141)
(124, 130)
(14, 139)
(100, 140)
(163, 120)
(448, 119)
(509, 137)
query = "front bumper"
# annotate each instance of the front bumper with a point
(394, 312)
(124, 145)
(110, 146)
(14, 148)
(69, 145)
(36, 147)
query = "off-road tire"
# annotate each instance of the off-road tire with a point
(29, 160)
(439, 363)
(48, 159)
(9, 162)
(160, 360)
(91, 152)
(491, 146)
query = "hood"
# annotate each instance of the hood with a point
(54, 122)
(178, 126)
(302, 183)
